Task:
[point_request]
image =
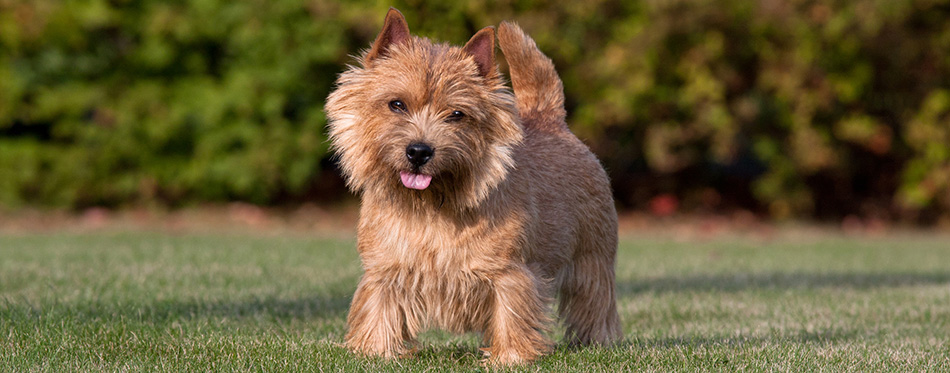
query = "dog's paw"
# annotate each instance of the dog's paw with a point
(501, 357)
(383, 350)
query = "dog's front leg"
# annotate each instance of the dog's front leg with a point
(516, 329)
(376, 323)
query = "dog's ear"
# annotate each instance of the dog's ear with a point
(395, 31)
(482, 47)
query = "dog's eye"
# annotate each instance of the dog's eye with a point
(397, 106)
(455, 116)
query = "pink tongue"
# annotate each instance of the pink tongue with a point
(415, 181)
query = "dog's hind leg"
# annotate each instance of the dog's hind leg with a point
(587, 304)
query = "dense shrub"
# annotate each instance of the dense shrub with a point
(793, 108)
(803, 108)
(115, 102)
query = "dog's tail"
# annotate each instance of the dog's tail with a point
(538, 90)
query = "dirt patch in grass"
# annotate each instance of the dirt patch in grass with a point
(234, 217)
(340, 220)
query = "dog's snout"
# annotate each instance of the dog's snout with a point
(419, 153)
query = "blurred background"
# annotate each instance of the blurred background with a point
(809, 110)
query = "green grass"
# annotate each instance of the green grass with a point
(149, 301)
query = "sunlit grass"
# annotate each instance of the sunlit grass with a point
(150, 301)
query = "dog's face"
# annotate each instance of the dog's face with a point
(424, 121)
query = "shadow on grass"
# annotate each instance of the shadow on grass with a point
(456, 352)
(809, 337)
(777, 281)
(304, 308)
(318, 307)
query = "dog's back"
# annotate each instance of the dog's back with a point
(569, 188)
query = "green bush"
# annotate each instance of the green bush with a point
(795, 109)
(131, 102)
(798, 108)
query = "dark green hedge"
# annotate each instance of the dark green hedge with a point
(820, 108)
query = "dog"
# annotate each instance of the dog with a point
(478, 205)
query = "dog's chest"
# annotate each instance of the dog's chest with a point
(443, 271)
(434, 246)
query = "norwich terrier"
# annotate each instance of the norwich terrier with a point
(478, 205)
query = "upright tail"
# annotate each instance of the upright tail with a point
(538, 89)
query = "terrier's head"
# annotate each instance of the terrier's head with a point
(424, 121)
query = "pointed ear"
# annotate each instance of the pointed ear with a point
(482, 48)
(395, 31)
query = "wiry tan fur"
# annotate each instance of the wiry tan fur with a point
(518, 210)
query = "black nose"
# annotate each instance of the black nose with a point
(418, 154)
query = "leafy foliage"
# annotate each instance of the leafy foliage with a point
(821, 108)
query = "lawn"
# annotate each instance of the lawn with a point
(240, 301)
